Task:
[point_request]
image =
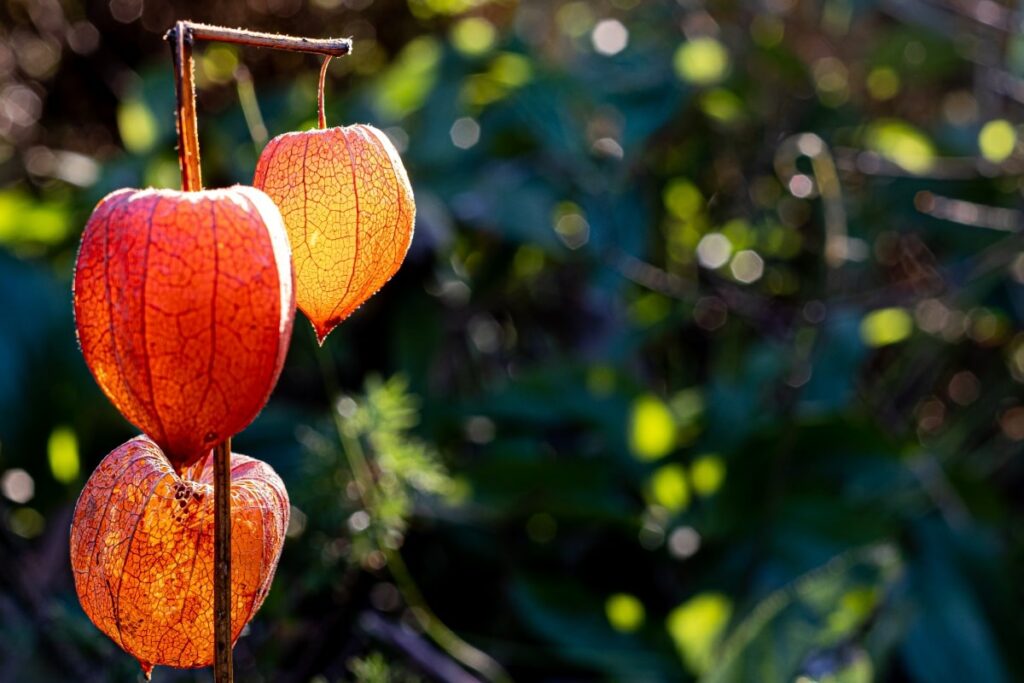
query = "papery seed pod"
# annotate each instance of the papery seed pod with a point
(348, 207)
(184, 303)
(142, 551)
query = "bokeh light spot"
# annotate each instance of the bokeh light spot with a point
(465, 132)
(219, 63)
(683, 542)
(964, 388)
(571, 226)
(722, 105)
(652, 430)
(707, 474)
(831, 78)
(473, 36)
(886, 326)
(17, 485)
(26, 522)
(610, 37)
(137, 126)
(997, 140)
(574, 18)
(682, 198)
(62, 451)
(747, 266)
(1012, 423)
(669, 488)
(714, 250)
(625, 612)
(883, 83)
(701, 61)
(902, 144)
(511, 70)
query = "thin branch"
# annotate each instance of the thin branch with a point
(867, 163)
(222, 664)
(420, 652)
(333, 47)
(968, 213)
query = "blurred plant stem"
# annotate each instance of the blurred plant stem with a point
(250, 107)
(826, 183)
(369, 494)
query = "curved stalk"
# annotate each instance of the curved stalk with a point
(366, 485)
(321, 117)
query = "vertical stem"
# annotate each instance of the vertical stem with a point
(222, 664)
(191, 181)
(184, 85)
(321, 117)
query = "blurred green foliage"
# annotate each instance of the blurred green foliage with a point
(705, 363)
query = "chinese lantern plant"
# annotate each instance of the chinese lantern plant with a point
(349, 211)
(184, 303)
(184, 307)
(142, 550)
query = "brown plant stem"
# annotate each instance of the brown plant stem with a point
(321, 116)
(222, 663)
(334, 47)
(181, 38)
(185, 89)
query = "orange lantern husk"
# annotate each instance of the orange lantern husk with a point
(184, 303)
(349, 210)
(142, 551)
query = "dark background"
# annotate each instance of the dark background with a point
(705, 362)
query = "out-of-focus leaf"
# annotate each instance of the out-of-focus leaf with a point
(697, 626)
(902, 144)
(779, 638)
(949, 638)
(409, 80)
(27, 221)
(137, 125)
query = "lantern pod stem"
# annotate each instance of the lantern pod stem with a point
(321, 116)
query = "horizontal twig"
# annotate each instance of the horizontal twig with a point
(333, 47)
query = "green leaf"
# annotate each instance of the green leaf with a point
(778, 639)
